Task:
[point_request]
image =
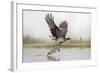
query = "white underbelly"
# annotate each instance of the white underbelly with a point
(60, 40)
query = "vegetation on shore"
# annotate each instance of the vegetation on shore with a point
(69, 44)
(29, 42)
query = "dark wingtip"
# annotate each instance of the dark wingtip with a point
(49, 17)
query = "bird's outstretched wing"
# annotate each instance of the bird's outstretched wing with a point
(63, 28)
(53, 28)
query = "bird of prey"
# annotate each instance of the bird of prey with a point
(58, 33)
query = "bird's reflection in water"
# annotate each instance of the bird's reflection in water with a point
(53, 58)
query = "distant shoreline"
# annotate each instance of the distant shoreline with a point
(66, 45)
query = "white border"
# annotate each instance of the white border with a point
(17, 37)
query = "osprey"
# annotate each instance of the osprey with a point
(58, 33)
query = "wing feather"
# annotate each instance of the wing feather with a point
(53, 28)
(63, 28)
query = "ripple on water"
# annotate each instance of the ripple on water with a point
(40, 55)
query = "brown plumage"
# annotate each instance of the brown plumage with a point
(57, 32)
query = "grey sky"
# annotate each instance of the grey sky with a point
(79, 24)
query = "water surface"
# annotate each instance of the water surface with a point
(40, 54)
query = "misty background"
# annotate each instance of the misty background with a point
(34, 25)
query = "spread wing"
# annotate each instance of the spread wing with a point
(63, 28)
(53, 28)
